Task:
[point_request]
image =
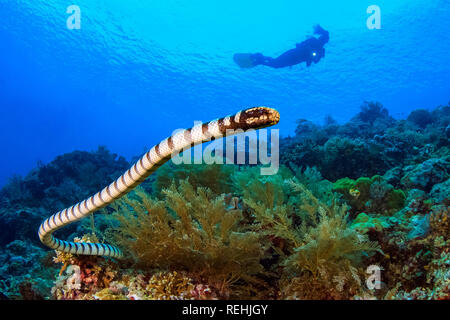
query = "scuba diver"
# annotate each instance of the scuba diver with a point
(309, 51)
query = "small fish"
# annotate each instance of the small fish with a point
(354, 193)
(232, 203)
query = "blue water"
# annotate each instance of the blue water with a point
(137, 70)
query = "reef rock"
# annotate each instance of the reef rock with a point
(23, 273)
(441, 191)
(392, 176)
(419, 225)
(425, 175)
(20, 224)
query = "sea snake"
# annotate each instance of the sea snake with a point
(253, 118)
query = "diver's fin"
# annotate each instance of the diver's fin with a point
(244, 60)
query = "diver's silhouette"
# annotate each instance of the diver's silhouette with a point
(309, 51)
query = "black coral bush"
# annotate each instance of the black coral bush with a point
(320, 256)
(190, 229)
(278, 235)
(326, 265)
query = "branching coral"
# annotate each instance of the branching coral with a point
(170, 286)
(159, 285)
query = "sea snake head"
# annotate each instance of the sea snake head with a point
(254, 118)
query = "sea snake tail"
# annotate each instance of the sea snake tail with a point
(253, 118)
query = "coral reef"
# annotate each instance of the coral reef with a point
(319, 254)
(65, 180)
(191, 230)
(370, 193)
(371, 143)
(25, 202)
(26, 271)
(425, 175)
(363, 223)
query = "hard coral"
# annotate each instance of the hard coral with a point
(170, 286)
(363, 223)
(375, 195)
